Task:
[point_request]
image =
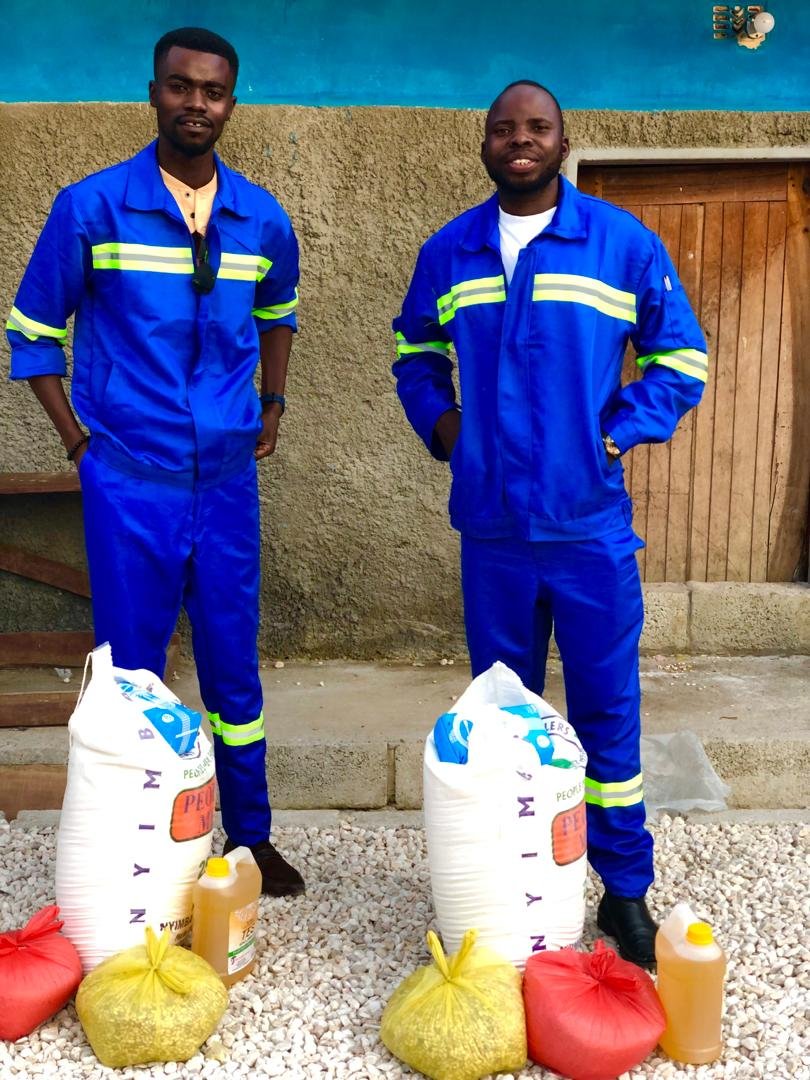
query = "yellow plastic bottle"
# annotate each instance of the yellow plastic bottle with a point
(226, 906)
(691, 969)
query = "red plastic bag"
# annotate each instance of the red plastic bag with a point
(590, 1016)
(39, 972)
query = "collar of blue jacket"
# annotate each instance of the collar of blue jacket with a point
(145, 189)
(569, 222)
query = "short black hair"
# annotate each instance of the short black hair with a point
(537, 86)
(200, 40)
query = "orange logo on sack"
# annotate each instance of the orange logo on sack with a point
(569, 835)
(193, 812)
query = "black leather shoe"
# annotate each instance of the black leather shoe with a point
(630, 923)
(278, 877)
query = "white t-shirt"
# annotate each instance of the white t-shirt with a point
(516, 232)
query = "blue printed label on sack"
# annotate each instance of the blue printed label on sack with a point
(177, 724)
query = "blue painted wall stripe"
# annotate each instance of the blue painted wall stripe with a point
(626, 54)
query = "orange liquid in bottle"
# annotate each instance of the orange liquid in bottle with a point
(226, 904)
(691, 970)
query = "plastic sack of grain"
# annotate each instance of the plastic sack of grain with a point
(138, 813)
(155, 1002)
(459, 1018)
(505, 820)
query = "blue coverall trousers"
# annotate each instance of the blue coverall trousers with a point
(154, 547)
(590, 592)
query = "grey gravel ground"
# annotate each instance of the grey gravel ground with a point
(330, 960)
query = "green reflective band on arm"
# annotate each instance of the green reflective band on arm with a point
(687, 361)
(623, 793)
(145, 257)
(406, 348)
(243, 267)
(488, 290)
(575, 289)
(276, 311)
(237, 734)
(33, 329)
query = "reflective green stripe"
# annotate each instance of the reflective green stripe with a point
(33, 329)
(148, 257)
(243, 267)
(489, 290)
(237, 734)
(405, 348)
(277, 311)
(687, 361)
(575, 289)
(623, 793)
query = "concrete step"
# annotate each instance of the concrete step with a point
(349, 736)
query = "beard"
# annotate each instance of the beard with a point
(517, 185)
(189, 148)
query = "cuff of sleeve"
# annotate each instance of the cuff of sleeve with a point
(624, 434)
(263, 325)
(30, 360)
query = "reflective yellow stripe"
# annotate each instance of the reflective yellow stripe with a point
(622, 793)
(237, 734)
(687, 361)
(243, 267)
(277, 311)
(33, 329)
(406, 348)
(575, 289)
(489, 290)
(147, 257)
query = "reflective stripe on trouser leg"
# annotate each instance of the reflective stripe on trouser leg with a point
(138, 538)
(222, 600)
(598, 614)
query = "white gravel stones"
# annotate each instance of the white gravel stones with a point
(330, 960)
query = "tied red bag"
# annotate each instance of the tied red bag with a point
(590, 1016)
(39, 973)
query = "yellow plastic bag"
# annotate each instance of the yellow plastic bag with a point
(156, 1002)
(458, 1018)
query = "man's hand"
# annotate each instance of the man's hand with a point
(447, 430)
(77, 457)
(266, 442)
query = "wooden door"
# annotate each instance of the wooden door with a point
(727, 499)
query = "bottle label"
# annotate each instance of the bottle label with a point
(242, 937)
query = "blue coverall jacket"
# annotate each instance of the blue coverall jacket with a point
(539, 364)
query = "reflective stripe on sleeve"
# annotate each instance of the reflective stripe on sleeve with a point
(575, 289)
(243, 267)
(622, 793)
(490, 290)
(33, 329)
(687, 361)
(237, 734)
(146, 257)
(407, 348)
(277, 311)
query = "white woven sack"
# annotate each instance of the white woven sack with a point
(137, 817)
(505, 834)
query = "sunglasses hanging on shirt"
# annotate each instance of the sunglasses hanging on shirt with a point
(203, 279)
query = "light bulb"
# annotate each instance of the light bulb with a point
(764, 22)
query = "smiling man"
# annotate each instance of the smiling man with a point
(538, 291)
(182, 277)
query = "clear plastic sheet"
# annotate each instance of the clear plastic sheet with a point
(678, 775)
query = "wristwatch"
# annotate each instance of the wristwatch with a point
(611, 449)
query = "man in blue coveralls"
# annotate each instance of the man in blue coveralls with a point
(182, 275)
(538, 291)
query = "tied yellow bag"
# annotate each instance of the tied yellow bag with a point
(458, 1018)
(155, 1002)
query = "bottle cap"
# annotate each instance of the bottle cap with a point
(698, 933)
(218, 867)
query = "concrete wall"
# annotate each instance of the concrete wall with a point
(358, 557)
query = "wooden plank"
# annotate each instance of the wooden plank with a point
(688, 264)
(31, 787)
(789, 516)
(768, 380)
(709, 315)
(50, 648)
(39, 483)
(726, 367)
(52, 709)
(662, 185)
(746, 401)
(38, 568)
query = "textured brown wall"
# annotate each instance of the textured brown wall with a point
(358, 558)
